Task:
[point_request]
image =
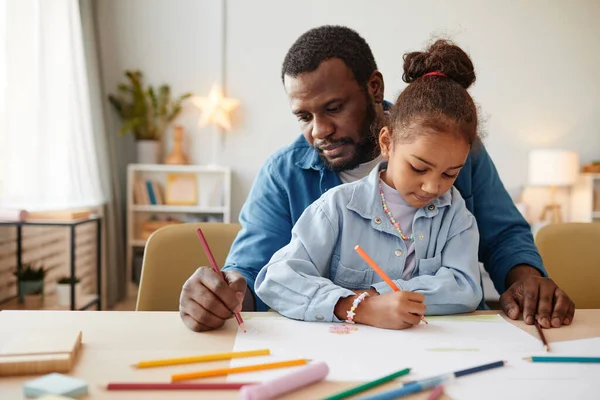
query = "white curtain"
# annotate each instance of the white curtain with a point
(47, 156)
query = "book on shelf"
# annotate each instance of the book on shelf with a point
(148, 193)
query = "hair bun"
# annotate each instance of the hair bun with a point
(442, 56)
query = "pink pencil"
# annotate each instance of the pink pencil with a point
(176, 386)
(215, 267)
(436, 393)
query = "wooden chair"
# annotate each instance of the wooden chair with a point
(172, 254)
(571, 255)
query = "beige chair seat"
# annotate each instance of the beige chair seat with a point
(571, 255)
(172, 254)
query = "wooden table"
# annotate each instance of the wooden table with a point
(113, 340)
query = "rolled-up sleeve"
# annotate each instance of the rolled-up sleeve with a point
(295, 282)
(455, 287)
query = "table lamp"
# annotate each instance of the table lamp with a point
(553, 168)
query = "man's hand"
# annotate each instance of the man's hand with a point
(207, 300)
(536, 297)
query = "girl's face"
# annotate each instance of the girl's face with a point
(426, 168)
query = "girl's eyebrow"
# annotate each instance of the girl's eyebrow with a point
(433, 165)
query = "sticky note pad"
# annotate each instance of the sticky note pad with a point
(57, 384)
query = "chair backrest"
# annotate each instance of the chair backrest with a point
(172, 254)
(571, 255)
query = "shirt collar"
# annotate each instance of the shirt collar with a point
(366, 200)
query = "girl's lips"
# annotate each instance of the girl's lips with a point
(425, 199)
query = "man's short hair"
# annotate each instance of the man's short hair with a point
(327, 42)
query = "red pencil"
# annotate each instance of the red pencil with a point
(215, 267)
(176, 386)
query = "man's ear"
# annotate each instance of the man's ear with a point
(376, 87)
(385, 142)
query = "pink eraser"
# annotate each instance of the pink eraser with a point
(307, 375)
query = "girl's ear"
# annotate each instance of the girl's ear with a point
(385, 142)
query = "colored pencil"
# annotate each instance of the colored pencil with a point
(215, 267)
(380, 272)
(563, 359)
(542, 337)
(369, 385)
(436, 393)
(234, 370)
(202, 358)
(176, 386)
(419, 386)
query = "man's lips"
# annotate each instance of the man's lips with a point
(335, 150)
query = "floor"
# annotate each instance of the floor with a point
(127, 304)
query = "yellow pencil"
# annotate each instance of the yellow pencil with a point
(202, 358)
(234, 370)
(380, 272)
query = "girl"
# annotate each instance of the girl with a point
(406, 215)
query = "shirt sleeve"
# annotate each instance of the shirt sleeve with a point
(266, 227)
(294, 282)
(505, 236)
(455, 287)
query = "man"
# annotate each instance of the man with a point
(336, 93)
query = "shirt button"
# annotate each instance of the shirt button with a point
(398, 253)
(421, 236)
(377, 220)
(320, 317)
(431, 207)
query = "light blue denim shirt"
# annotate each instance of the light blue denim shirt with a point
(305, 279)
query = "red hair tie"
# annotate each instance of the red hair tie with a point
(436, 73)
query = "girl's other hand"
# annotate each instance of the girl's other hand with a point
(395, 310)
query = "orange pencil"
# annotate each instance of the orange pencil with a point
(233, 370)
(380, 272)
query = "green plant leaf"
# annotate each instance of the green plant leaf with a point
(130, 125)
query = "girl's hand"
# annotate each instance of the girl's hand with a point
(395, 310)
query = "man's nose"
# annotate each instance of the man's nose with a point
(322, 127)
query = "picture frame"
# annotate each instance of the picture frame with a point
(181, 189)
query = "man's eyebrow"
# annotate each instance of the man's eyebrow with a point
(329, 103)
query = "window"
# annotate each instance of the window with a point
(47, 157)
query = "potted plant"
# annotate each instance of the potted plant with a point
(30, 281)
(145, 113)
(63, 290)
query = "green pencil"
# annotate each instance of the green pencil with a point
(564, 359)
(369, 385)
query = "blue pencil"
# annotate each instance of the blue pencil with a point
(564, 359)
(419, 386)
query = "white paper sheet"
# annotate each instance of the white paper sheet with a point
(446, 344)
(521, 379)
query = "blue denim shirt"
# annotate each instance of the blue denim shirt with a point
(305, 279)
(294, 177)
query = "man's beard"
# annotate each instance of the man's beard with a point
(366, 149)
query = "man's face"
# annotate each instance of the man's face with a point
(336, 115)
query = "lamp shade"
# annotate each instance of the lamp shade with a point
(553, 167)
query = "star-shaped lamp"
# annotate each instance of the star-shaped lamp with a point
(215, 108)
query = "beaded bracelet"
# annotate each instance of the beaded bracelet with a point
(355, 303)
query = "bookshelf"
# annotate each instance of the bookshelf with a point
(160, 194)
(585, 198)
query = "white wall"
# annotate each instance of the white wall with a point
(537, 63)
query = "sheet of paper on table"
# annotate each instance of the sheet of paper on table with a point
(521, 379)
(367, 353)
